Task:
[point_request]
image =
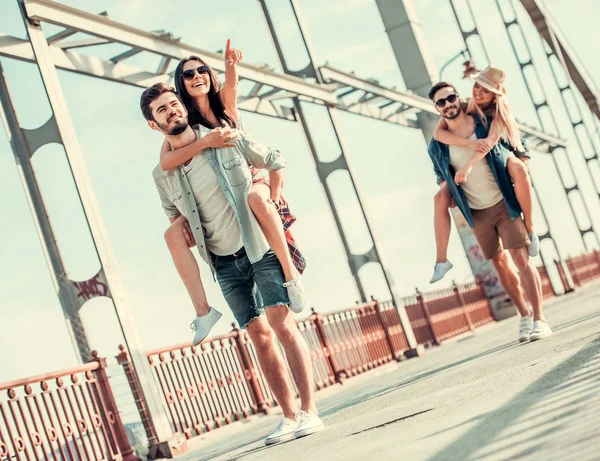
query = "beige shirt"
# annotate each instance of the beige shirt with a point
(221, 229)
(481, 189)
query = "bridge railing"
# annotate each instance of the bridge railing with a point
(69, 414)
(220, 382)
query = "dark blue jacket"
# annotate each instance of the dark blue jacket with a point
(496, 160)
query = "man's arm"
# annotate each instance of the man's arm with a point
(169, 207)
(260, 156)
(436, 170)
(276, 184)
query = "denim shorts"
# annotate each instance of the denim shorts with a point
(249, 288)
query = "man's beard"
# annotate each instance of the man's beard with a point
(174, 130)
(455, 114)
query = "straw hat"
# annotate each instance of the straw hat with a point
(491, 79)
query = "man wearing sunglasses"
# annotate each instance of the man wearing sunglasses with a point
(487, 200)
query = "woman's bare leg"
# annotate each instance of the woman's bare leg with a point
(523, 189)
(270, 222)
(442, 222)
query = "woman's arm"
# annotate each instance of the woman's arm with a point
(220, 137)
(170, 159)
(230, 87)
(441, 134)
(480, 152)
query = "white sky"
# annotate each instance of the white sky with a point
(390, 163)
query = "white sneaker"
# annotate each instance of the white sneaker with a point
(308, 424)
(295, 289)
(534, 247)
(285, 430)
(541, 330)
(525, 328)
(440, 270)
(203, 325)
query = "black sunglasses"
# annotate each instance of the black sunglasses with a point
(191, 73)
(442, 102)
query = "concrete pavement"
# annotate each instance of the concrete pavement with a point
(481, 397)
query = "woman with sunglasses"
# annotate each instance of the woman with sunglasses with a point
(215, 107)
(490, 104)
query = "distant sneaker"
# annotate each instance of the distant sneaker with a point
(308, 424)
(534, 247)
(203, 325)
(541, 330)
(440, 270)
(525, 329)
(295, 289)
(285, 430)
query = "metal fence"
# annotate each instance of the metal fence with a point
(584, 268)
(74, 414)
(65, 415)
(219, 382)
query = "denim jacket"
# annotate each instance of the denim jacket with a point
(496, 160)
(232, 167)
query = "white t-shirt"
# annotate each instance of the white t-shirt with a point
(222, 230)
(481, 189)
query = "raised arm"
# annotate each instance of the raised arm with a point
(230, 87)
(220, 137)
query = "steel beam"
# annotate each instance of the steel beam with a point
(324, 169)
(109, 274)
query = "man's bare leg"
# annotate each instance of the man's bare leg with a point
(297, 354)
(272, 365)
(186, 265)
(509, 279)
(530, 279)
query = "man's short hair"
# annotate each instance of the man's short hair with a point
(437, 87)
(150, 94)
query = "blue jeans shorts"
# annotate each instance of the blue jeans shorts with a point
(250, 288)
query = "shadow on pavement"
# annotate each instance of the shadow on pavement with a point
(558, 412)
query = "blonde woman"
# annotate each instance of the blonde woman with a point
(489, 102)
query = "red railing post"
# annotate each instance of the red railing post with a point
(140, 402)
(574, 270)
(563, 277)
(423, 304)
(388, 337)
(156, 449)
(109, 400)
(461, 302)
(479, 283)
(597, 255)
(338, 375)
(250, 371)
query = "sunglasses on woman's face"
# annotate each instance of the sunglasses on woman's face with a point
(191, 73)
(442, 102)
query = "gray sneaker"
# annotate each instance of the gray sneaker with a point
(203, 325)
(525, 329)
(285, 430)
(541, 330)
(440, 270)
(308, 424)
(295, 289)
(534, 247)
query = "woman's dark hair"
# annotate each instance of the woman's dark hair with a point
(214, 99)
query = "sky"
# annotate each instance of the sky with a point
(390, 166)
